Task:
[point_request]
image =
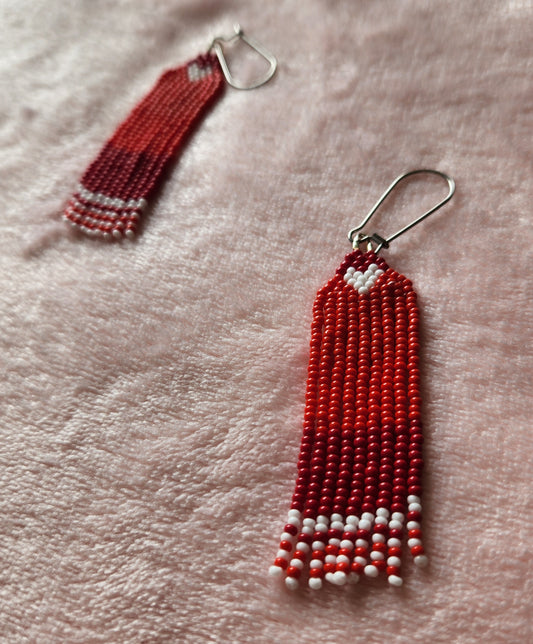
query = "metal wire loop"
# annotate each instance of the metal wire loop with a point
(383, 242)
(218, 47)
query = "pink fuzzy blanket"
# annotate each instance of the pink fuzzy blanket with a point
(152, 391)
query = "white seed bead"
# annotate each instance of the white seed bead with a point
(395, 525)
(315, 583)
(421, 561)
(337, 525)
(336, 517)
(297, 563)
(321, 518)
(346, 544)
(283, 554)
(334, 542)
(339, 578)
(412, 498)
(378, 538)
(381, 521)
(415, 507)
(294, 521)
(364, 524)
(394, 561)
(291, 583)
(286, 536)
(368, 273)
(318, 545)
(352, 520)
(309, 523)
(398, 516)
(379, 272)
(330, 559)
(295, 513)
(350, 527)
(360, 560)
(367, 516)
(352, 281)
(371, 571)
(343, 559)
(316, 563)
(376, 556)
(307, 530)
(413, 525)
(413, 542)
(321, 527)
(129, 233)
(350, 270)
(393, 542)
(382, 512)
(373, 267)
(394, 580)
(275, 571)
(363, 290)
(361, 543)
(302, 546)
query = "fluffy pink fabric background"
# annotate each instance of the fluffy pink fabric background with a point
(153, 391)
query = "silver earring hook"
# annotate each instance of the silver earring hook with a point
(384, 242)
(217, 46)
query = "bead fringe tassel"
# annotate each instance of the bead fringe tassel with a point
(358, 488)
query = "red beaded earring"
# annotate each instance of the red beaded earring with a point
(114, 190)
(359, 471)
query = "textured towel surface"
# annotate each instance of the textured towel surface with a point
(152, 392)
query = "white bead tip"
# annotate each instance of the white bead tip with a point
(315, 583)
(275, 571)
(339, 578)
(394, 580)
(421, 561)
(291, 583)
(371, 571)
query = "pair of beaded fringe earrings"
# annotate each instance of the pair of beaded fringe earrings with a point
(358, 488)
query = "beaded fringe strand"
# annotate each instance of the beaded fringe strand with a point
(113, 192)
(359, 471)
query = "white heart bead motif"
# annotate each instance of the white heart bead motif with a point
(363, 282)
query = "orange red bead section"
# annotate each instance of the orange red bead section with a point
(359, 470)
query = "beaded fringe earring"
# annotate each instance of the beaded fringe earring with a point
(114, 190)
(358, 488)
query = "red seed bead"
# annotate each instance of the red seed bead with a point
(417, 550)
(298, 554)
(380, 564)
(291, 529)
(414, 516)
(343, 566)
(318, 554)
(414, 534)
(285, 545)
(329, 567)
(281, 563)
(393, 570)
(357, 568)
(316, 572)
(380, 547)
(293, 571)
(331, 549)
(395, 552)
